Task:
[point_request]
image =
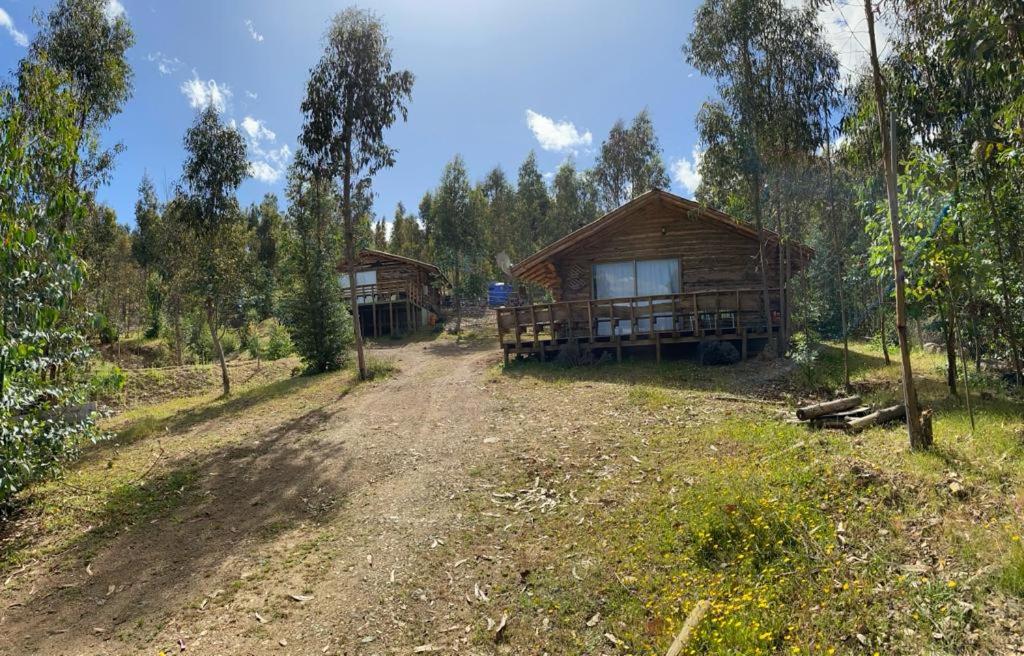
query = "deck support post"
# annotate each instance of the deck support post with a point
(505, 351)
(618, 349)
(391, 319)
(657, 348)
(743, 348)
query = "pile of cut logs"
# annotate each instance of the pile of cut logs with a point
(848, 413)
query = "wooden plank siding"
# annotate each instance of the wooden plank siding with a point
(720, 295)
(711, 256)
(404, 288)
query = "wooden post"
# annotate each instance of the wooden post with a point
(590, 318)
(743, 352)
(519, 337)
(373, 306)
(391, 319)
(505, 351)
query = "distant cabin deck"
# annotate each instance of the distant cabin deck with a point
(734, 315)
(391, 308)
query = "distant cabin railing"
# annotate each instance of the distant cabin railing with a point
(387, 292)
(693, 315)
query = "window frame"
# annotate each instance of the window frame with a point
(633, 261)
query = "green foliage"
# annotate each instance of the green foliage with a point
(106, 382)
(279, 342)
(105, 330)
(629, 162)
(320, 325)
(41, 343)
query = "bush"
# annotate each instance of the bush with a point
(229, 341)
(197, 338)
(105, 330)
(279, 344)
(106, 383)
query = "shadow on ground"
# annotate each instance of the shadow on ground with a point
(169, 541)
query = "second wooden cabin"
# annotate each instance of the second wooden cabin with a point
(395, 294)
(658, 270)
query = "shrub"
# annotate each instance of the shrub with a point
(106, 383)
(279, 344)
(105, 330)
(229, 341)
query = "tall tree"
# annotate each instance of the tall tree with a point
(41, 344)
(352, 97)
(215, 166)
(99, 76)
(457, 211)
(532, 205)
(500, 220)
(629, 163)
(313, 305)
(774, 73)
(574, 202)
(919, 439)
(266, 241)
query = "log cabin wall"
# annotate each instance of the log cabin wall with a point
(712, 256)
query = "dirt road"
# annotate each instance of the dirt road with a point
(304, 534)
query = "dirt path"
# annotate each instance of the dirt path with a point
(303, 536)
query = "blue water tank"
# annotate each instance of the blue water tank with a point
(498, 293)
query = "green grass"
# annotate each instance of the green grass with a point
(801, 540)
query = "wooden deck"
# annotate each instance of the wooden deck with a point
(733, 315)
(391, 307)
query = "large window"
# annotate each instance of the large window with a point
(636, 278)
(362, 278)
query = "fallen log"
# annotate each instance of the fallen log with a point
(827, 408)
(878, 417)
(685, 633)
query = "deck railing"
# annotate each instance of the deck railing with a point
(697, 313)
(385, 292)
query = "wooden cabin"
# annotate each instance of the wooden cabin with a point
(396, 294)
(658, 270)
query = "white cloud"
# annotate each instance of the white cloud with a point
(251, 95)
(845, 28)
(559, 136)
(166, 65)
(113, 9)
(267, 165)
(686, 172)
(256, 36)
(8, 24)
(257, 130)
(202, 93)
(264, 172)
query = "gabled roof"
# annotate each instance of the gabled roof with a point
(371, 257)
(531, 265)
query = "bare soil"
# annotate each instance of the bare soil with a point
(298, 537)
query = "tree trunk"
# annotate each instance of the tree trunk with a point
(881, 325)
(178, 339)
(949, 330)
(211, 315)
(458, 301)
(837, 244)
(350, 251)
(918, 439)
(1009, 325)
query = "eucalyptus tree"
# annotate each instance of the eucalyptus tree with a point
(629, 162)
(79, 39)
(215, 166)
(574, 200)
(774, 72)
(919, 438)
(531, 210)
(41, 343)
(458, 211)
(352, 97)
(312, 304)
(499, 223)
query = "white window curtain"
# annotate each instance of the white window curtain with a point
(362, 278)
(655, 277)
(614, 279)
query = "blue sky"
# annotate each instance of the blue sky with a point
(493, 80)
